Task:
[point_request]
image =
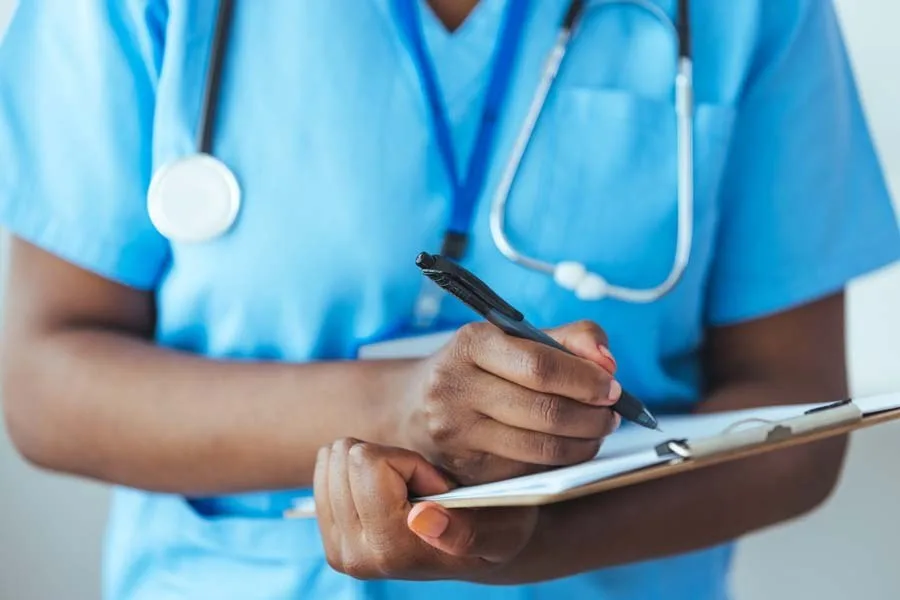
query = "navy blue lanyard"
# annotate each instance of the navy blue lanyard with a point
(465, 191)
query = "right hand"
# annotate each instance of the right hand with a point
(490, 406)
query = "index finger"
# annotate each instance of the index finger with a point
(383, 478)
(541, 368)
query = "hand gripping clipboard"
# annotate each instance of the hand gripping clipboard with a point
(742, 439)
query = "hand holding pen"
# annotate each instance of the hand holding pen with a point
(479, 297)
(490, 406)
(500, 399)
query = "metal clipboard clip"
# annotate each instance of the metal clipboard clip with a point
(760, 432)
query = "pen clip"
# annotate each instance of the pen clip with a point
(837, 404)
(465, 285)
(467, 296)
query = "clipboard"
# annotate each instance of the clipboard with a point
(743, 438)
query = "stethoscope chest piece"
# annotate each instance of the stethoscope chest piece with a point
(193, 199)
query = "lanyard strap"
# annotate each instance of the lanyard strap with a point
(465, 192)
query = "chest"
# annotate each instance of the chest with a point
(323, 120)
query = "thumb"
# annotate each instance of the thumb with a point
(495, 535)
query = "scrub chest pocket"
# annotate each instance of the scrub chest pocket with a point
(609, 184)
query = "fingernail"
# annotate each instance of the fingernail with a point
(615, 390)
(617, 422)
(605, 352)
(430, 523)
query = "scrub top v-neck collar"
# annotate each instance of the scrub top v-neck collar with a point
(461, 57)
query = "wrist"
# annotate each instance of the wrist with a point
(393, 390)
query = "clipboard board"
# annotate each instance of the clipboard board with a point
(744, 438)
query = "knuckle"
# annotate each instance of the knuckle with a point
(540, 367)
(590, 328)
(362, 453)
(443, 384)
(439, 427)
(435, 381)
(444, 401)
(344, 445)
(470, 336)
(470, 468)
(552, 449)
(549, 410)
(555, 450)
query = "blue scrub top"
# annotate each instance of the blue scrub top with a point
(325, 123)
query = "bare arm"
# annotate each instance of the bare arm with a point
(370, 529)
(794, 357)
(86, 392)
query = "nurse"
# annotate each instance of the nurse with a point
(201, 376)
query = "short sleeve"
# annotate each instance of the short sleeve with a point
(77, 85)
(804, 204)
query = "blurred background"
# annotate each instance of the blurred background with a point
(51, 527)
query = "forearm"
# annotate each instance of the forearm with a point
(684, 513)
(121, 410)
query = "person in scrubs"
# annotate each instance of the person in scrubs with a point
(201, 379)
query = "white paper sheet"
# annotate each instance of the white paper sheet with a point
(871, 405)
(633, 448)
(560, 480)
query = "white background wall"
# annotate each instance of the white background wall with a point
(51, 526)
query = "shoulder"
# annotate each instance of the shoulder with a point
(77, 97)
(737, 43)
(795, 30)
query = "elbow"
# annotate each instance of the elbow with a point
(26, 408)
(29, 444)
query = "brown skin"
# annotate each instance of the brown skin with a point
(489, 406)
(74, 342)
(452, 12)
(86, 392)
(371, 531)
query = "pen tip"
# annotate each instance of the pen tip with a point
(647, 420)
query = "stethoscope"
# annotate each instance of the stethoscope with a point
(197, 198)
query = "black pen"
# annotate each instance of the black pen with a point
(479, 297)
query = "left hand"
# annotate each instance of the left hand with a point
(371, 531)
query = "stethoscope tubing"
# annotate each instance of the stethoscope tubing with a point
(568, 274)
(684, 113)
